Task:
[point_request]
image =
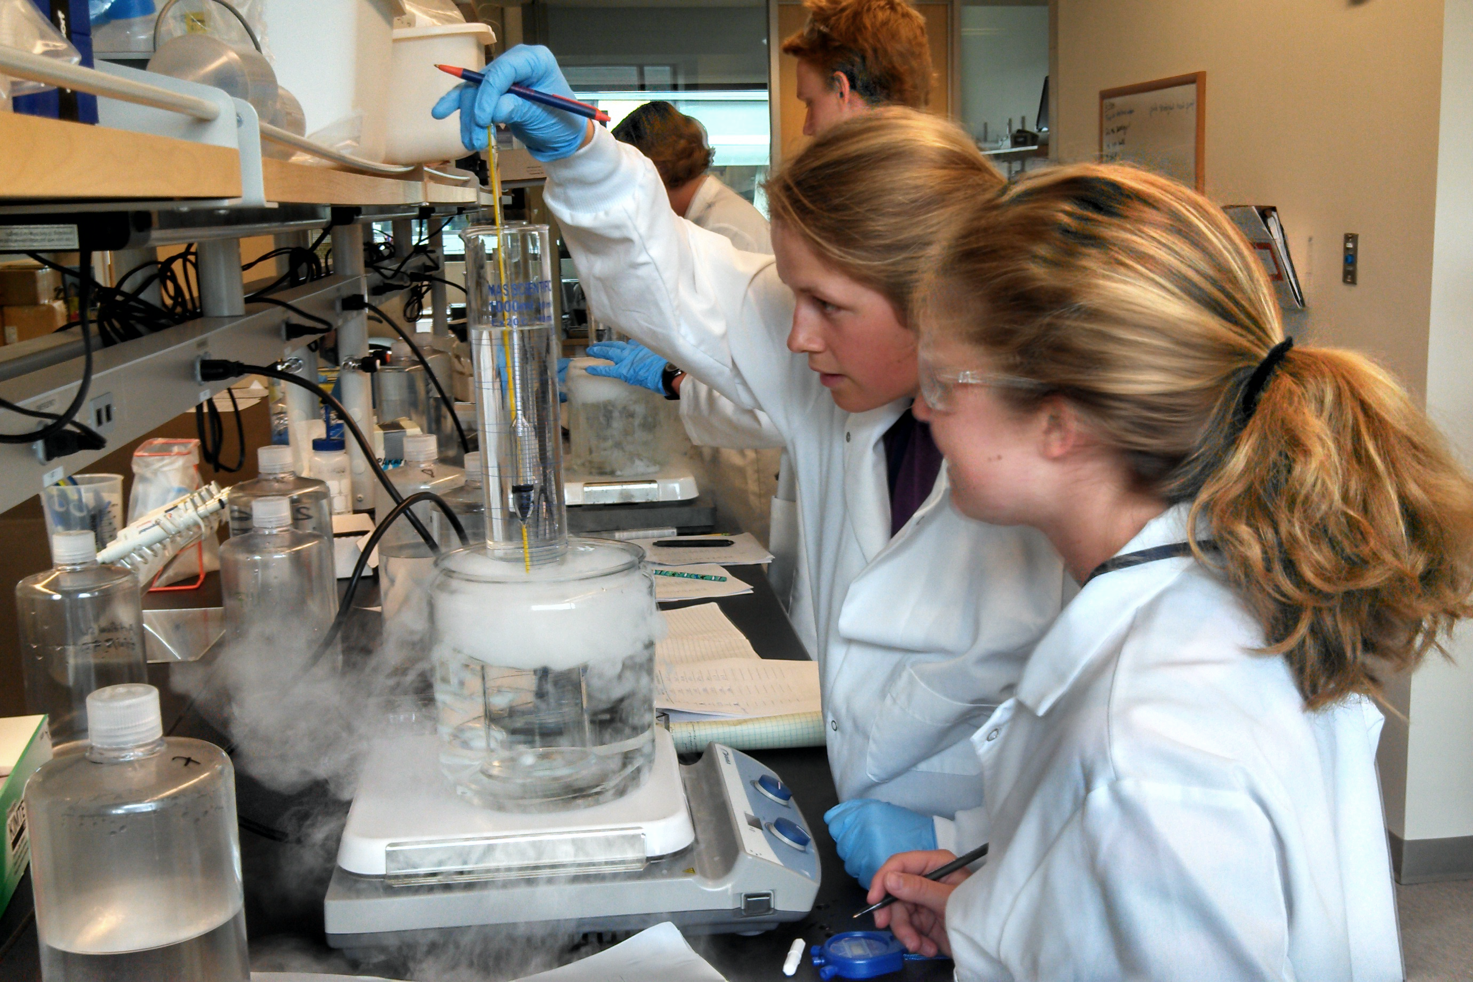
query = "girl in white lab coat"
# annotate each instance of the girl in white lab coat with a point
(923, 617)
(1183, 785)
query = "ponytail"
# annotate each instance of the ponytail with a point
(1340, 516)
(1343, 523)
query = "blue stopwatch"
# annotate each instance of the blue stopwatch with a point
(859, 955)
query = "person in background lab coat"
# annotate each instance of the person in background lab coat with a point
(740, 447)
(676, 144)
(923, 617)
(1183, 785)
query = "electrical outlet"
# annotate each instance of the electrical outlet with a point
(1351, 270)
(102, 412)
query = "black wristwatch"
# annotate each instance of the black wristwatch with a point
(668, 375)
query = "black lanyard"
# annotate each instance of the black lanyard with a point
(1170, 551)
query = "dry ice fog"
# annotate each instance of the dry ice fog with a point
(300, 732)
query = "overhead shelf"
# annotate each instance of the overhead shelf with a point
(49, 160)
(54, 160)
(287, 182)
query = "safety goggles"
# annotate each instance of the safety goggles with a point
(938, 387)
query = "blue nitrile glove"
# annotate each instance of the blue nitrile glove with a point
(632, 363)
(562, 379)
(867, 832)
(550, 134)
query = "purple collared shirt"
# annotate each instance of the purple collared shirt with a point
(912, 462)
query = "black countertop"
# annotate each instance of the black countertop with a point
(286, 869)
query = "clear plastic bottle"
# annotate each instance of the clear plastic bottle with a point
(469, 504)
(81, 628)
(311, 499)
(279, 585)
(406, 564)
(330, 465)
(135, 855)
(422, 471)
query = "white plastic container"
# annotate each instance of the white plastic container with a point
(415, 137)
(335, 56)
(330, 464)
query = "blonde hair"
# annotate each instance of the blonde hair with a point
(872, 195)
(1340, 516)
(879, 45)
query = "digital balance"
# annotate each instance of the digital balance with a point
(548, 795)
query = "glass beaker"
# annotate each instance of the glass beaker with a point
(544, 678)
(619, 430)
(515, 348)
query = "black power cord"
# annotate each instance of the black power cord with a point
(217, 370)
(366, 550)
(326, 324)
(68, 417)
(352, 301)
(211, 432)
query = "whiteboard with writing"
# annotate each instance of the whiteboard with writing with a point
(1158, 125)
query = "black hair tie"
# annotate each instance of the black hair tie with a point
(1258, 381)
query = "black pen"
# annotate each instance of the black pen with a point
(693, 543)
(966, 859)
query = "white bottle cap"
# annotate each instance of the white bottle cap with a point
(122, 716)
(72, 548)
(403, 355)
(271, 513)
(473, 473)
(420, 446)
(274, 458)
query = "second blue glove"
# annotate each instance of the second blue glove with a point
(867, 832)
(632, 363)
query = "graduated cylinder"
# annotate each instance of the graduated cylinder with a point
(514, 342)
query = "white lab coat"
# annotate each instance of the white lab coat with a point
(1162, 806)
(719, 209)
(735, 438)
(919, 635)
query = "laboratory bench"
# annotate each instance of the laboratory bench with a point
(285, 878)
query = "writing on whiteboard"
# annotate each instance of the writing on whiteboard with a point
(1157, 129)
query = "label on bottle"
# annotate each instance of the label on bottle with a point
(339, 492)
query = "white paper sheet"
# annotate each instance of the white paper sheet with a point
(739, 687)
(744, 550)
(683, 588)
(699, 634)
(345, 544)
(657, 954)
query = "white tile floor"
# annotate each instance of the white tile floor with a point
(1437, 930)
